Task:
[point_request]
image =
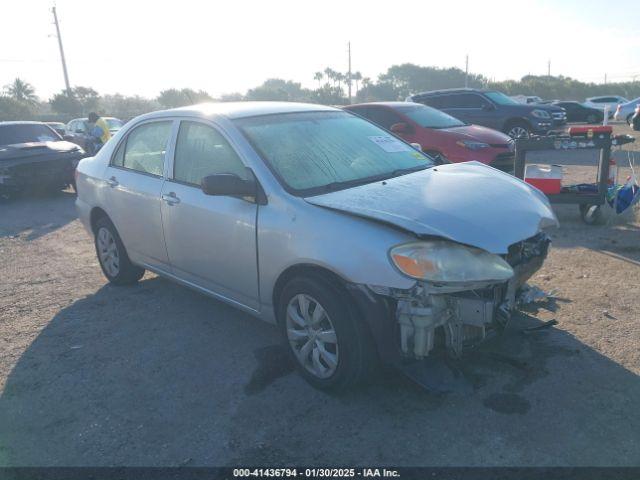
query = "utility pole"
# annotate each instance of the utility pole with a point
(349, 72)
(466, 72)
(64, 62)
(549, 68)
(605, 78)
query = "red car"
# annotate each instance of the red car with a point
(440, 134)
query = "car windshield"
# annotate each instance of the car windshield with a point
(26, 133)
(430, 117)
(500, 98)
(114, 123)
(316, 152)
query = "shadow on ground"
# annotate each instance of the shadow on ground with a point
(35, 215)
(156, 375)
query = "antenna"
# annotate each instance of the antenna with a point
(64, 62)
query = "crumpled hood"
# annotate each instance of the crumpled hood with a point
(468, 203)
(33, 149)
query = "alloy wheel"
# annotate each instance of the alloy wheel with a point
(312, 336)
(108, 252)
(518, 132)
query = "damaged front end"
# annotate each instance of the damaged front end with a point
(458, 314)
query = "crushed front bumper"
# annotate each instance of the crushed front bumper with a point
(409, 324)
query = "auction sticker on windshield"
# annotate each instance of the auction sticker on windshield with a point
(389, 144)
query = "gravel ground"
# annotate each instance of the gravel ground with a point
(158, 375)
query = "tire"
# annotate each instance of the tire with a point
(591, 214)
(518, 129)
(112, 256)
(343, 364)
(630, 120)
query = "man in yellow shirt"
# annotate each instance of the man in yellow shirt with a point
(99, 131)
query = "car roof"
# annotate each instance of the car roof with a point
(385, 104)
(452, 90)
(233, 110)
(21, 122)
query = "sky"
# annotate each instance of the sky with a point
(143, 47)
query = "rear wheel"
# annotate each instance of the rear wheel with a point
(112, 255)
(325, 338)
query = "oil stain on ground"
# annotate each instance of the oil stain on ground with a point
(508, 403)
(273, 363)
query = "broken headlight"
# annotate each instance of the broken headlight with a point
(440, 261)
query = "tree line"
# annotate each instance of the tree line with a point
(18, 100)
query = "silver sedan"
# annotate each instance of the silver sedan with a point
(348, 239)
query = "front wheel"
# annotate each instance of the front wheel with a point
(328, 343)
(591, 214)
(518, 130)
(112, 255)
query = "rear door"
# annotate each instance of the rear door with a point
(135, 176)
(211, 240)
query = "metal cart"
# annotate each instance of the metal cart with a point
(577, 138)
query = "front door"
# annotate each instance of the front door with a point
(211, 240)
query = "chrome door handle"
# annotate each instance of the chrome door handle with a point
(170, 198)
(112, 182)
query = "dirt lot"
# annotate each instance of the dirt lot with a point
(156, 374)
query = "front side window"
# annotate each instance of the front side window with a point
(203, 151)
(317, 152)
(382, 116)
(145, 148)
(500, 98)
(465, 100)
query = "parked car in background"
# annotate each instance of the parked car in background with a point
(34, 156)
(527, 99)
(440, 134)
(624, 111)
(493, 109)
(601, 102)
(59, 127)
(579, 112)
(319, 221)
(78, 133)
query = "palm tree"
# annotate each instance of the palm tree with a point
(21, 91)
(340, 77)
(331, 74)
(318, 76)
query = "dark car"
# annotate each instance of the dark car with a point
(34, 156)
(59, 127)
(495, 110)
(439, 134)
(579, 112)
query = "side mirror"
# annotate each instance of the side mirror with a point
(228, 184)
(401, 128)
(417, 146)
(488, 107)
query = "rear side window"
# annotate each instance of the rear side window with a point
(464, 100)
(435, 102)
(145, 148)
(201, 151)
